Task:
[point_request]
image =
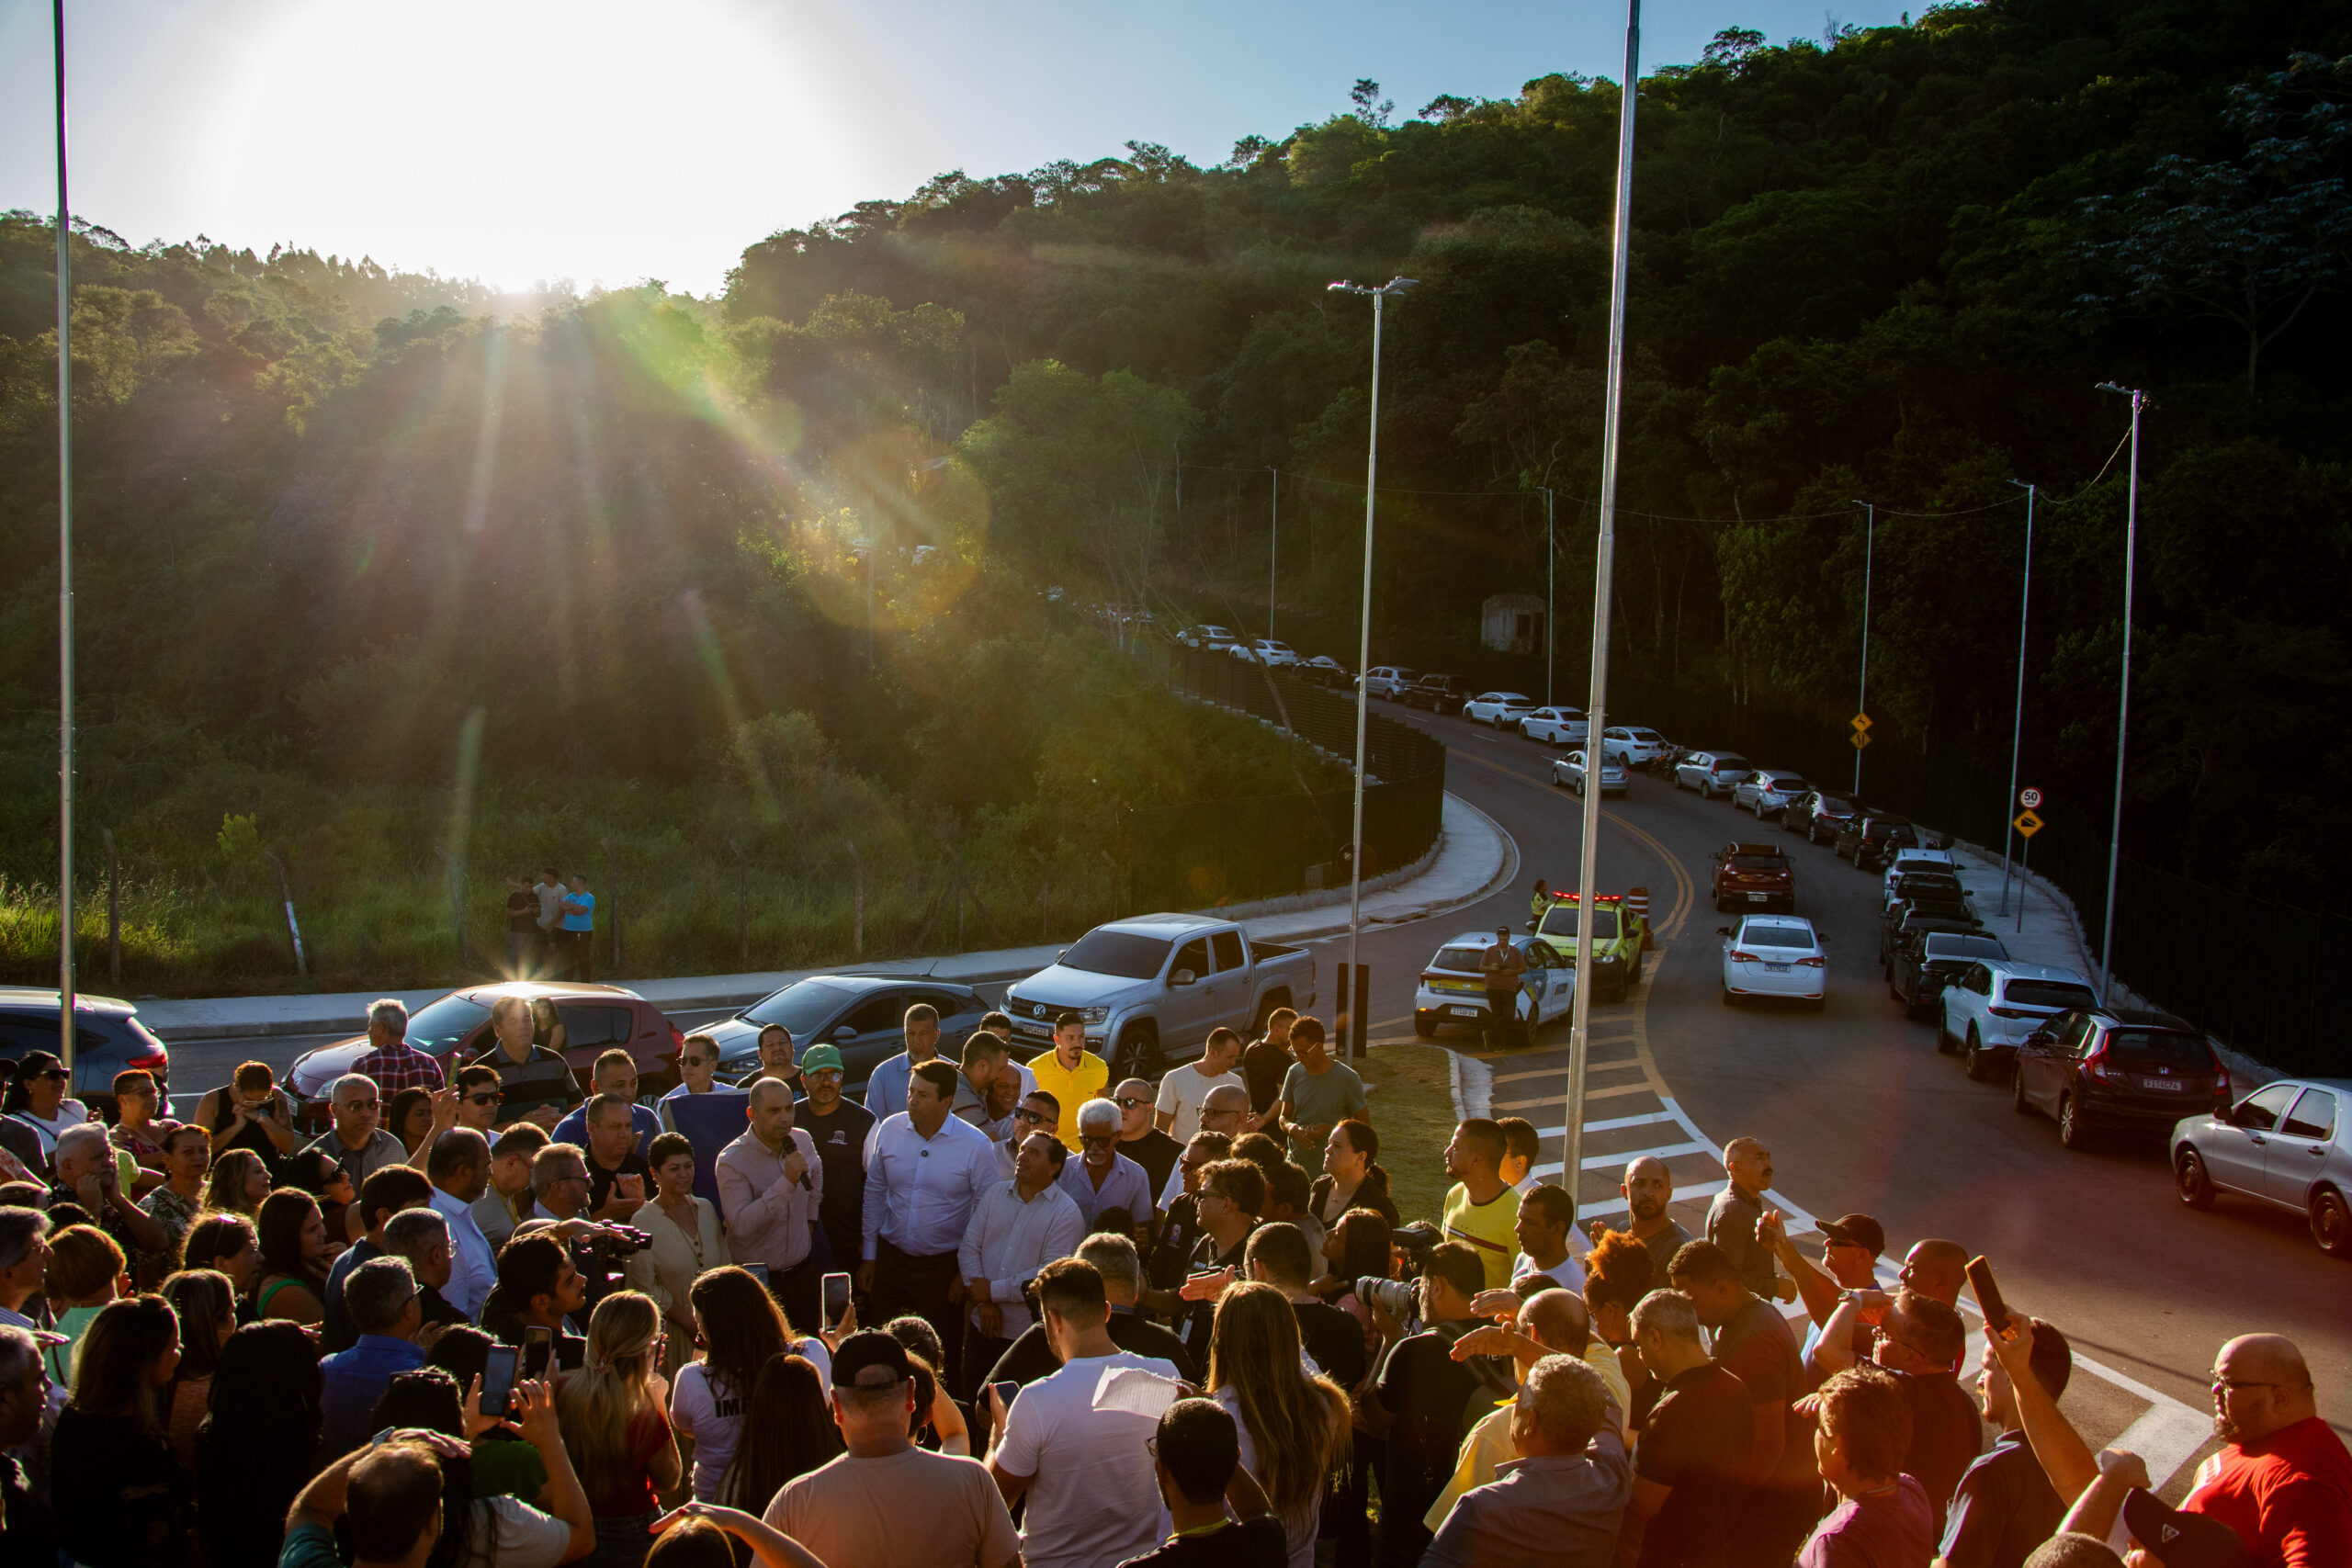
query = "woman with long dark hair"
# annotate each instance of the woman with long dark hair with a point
(1360, 1246)
(206, 1304)
(36, 1096)
(120, 1495)
(237, 1185)
(259, 1444)
(615, 1429)
(484, 1524)
(314, 1171)
(741, 1329)
(547, 1031)
(293, 1283)
(1352, 1177)
(227, 1243)
(1293, 1423)
(787, 1432)
(409, 1117)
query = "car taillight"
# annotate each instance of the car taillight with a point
(1815, 962)
(155, 1061)
(2221, 1084)
(2010, 1012)
(1739, 957)
(1427, 979)
(2096, 1068)
(677, 1038)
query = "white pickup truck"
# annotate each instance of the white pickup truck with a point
(1152, 987)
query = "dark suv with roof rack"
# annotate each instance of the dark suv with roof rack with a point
(1753, 877)
(1870, 838)
(2114, 1069)
(1439, 693)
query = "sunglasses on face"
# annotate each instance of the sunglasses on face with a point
(1025, 1114)
(490, 1099)
(698, 1061)
(1098, 1139)
(1128, 1102)
(824, 1076)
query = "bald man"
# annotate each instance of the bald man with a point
(1937, 1268)
(1649, 1188)
(1737, 1215)
(770, 1188)
(2282, 1480)
(1225, 1112)
(1549, 1323)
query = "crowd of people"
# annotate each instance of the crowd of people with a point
(1008, 1311)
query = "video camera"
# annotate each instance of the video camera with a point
(1400, 1298)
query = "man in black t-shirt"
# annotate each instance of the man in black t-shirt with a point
(1690, 1471)
(1197, 1455)
(2004, 1506)
(1232, 1194)
(839, 1129)
(1754, 1344)
(1278, 1255)
(1180, 1224)
(618, 1179)
(1264, 1063)
(1420, 1397)
(1139, 1140)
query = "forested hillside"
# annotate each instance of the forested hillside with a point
(343, 530)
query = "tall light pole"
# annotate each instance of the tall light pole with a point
(1363, 638)
(1861, 698)
(65, 572)
(2016, 727)
(1274, 544)
(2123, 693)
(1604, 560)
(1551, 564)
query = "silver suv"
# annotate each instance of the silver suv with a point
(1388, 681)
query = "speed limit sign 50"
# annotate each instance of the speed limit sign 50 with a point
(2029, 798)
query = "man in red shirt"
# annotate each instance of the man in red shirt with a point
(2282, 1480)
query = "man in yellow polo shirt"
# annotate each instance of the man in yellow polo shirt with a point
(1481, 1209)
(1069, 1073)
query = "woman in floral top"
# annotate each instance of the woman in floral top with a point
(176, 1204)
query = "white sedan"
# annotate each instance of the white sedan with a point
(1633, 745)
(1560, 727)
(1501, 710)
(1454, 990)
(1774, 955)
(1570, 770)
(1265, 650)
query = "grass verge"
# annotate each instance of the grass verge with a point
(1411, 1092)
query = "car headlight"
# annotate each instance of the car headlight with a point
(1095, 1015)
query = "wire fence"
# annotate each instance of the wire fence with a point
(1213, 852)
(2242, 968)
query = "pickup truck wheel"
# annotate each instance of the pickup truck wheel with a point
(1267, 1007)
(1138, 1054)
(2196, 1187)
(1425, 1026)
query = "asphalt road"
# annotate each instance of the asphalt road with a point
(1861, 1110)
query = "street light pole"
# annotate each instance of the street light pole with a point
(65, 572)
(1861, 698)
(1551, 565)
(1364, 634)
(1275, 544)
(1604, 559)
(2122, 696)
(2016, 727)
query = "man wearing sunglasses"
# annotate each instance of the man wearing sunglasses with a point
(357, 1145)
(478, 1097)
(1037, 1112)
(1101, 1179)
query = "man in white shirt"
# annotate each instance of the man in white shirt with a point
(1018, 1227)
(925, 1171)
(1547, 1219)
(1182, 1089)
(698, 1074)
(1073, 1444)
(458, 1168)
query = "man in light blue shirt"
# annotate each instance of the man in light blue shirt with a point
(926, 1172)
(459, 1168)
(381, 1297)
(1102, 1178)
(886, 1085)
(614, 1074)
(579, 927)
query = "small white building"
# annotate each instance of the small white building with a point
(1512, 623)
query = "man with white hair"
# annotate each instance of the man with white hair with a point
(86, 1175)
(1559, 1501)
(391, 1060)
(1102, 1178)
(358, 1146)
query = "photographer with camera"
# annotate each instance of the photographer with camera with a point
(1232, 1195)
(607, 1256)
(1422, 1399)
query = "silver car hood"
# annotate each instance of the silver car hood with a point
(1056, 986)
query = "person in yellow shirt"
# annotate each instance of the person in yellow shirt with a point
(1070, 1073)
(1481, 1209)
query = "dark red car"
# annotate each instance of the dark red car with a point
(1753, 877)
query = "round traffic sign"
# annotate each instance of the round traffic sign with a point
(2029, 798)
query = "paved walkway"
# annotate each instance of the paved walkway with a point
(1472, 857)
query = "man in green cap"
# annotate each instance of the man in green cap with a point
(839, 1127)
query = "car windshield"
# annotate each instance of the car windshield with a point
(2054, 994)
(2159, 1048)
(444, 1024)
(1756, 935)
(1787, 784)
(1560, 920)
(1952, 945)
(1645, 736)
(1760, 862)
(1122, 954)
(1459, 960)
(1727, 761)
(801, 1006)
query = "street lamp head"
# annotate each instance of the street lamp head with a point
(1343, 286)
(1398, 285)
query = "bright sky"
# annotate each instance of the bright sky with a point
(517, 140)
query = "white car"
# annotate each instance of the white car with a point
(1990, 1010)
(1207, 637)
(1326, 669)
(1631, 745)
(1774, 955)
(1503, 710)
(1710, 773)
(1265, 650)
(1387, 681)
(1570, 770)
(1560, 727)
(1768, 791)
(1454, 990)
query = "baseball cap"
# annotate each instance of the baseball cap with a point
(1856, 1230)
(2182, 1540)
(870, 1348)
(816, 1058)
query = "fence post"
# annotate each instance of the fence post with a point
(612, 897)
(285, 897)
(114, 913)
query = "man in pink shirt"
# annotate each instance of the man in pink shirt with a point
(770, 1183)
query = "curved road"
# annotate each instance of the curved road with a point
(1865, 1115)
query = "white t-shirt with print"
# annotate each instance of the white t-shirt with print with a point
(1182, 1091)
(1093, 1499)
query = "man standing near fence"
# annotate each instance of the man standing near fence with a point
(580, 930)
(549, 893)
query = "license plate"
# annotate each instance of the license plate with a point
(1776, 968)
(1757, 897)
(2164, 1085)
(1461, 1012)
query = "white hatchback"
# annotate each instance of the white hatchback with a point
(1774, 955)
(1503, 710)
(1993, 1006)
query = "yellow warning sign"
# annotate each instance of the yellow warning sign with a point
(1861, 740)
(1861, 721)
(2027, 823)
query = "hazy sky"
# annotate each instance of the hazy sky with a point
(517, 140)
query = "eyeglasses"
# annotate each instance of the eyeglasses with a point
(699, 1061)
(2232, 1385)
(1098, 1139)
(1024, 1114)
(824, 1076)
(1208, 1116)
(1128, 1102)
(489, 1099)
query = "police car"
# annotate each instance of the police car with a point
(1454, 988)
(1616, 941)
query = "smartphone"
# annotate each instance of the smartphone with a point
(836, 1288)
(1005, 1390)
(498, 1379)
(1988, 1294)
(757, 1270)
(538, 1352)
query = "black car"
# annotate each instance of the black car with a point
(863, 1016)
(1904, 921)
(1439, 693)
(107, 1039)
(1928, 961)
(1927, 884)
(1869, 837)
(1818, 814)
(2100, 1069)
